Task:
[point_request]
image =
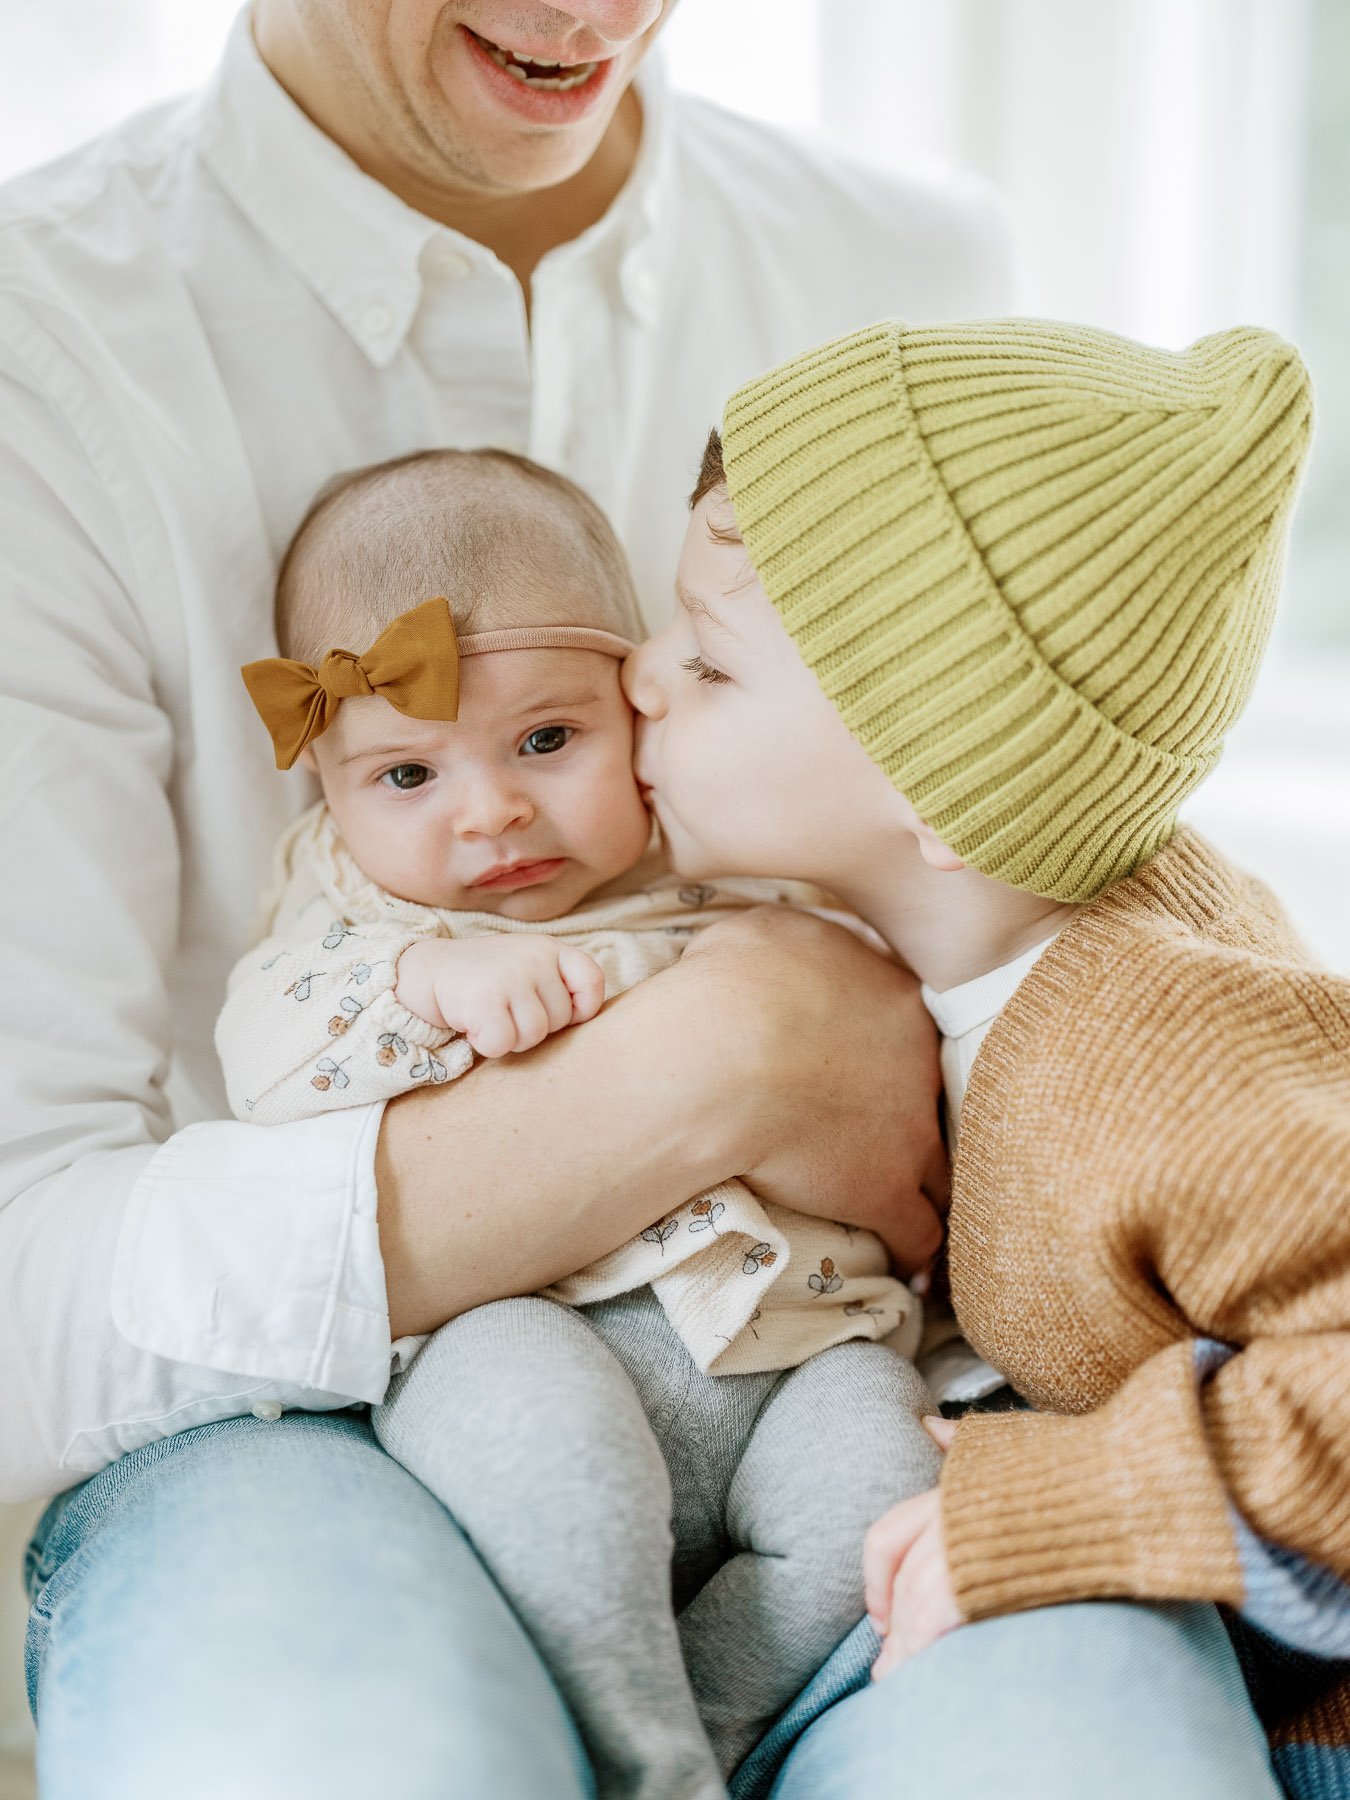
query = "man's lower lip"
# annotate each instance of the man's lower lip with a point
(524, 874)
(543, 105)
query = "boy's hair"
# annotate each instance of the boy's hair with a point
(712, 479)
(507, 542)
(711, 472)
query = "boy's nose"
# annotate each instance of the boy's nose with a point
(641, 682)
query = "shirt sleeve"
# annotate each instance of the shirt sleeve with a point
(311, 1025)
(148, 1281)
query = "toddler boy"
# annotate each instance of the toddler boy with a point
(994, 594)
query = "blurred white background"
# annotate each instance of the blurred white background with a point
(1171, 167)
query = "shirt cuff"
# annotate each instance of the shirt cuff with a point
(1123, 1502)
(256, 1249)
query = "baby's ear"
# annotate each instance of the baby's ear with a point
(933, 851)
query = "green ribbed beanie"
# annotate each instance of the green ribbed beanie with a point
(1034, 566)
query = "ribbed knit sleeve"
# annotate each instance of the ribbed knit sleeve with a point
(1122, 1502)
(1167, 1491)
(1151, 1236)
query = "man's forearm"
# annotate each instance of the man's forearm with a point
(779, 1048)
(530, 1168)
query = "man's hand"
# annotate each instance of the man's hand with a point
(910, 1600)
(842, 1058)
(778, 1047)
(504, 994)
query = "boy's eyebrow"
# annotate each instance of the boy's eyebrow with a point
(700, 608)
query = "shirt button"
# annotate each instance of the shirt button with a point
(269, 1410)
(640, 286)
(442, 258)
(378, 319)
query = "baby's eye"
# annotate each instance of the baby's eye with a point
(546, 740)
(406, 777)
(704, 670)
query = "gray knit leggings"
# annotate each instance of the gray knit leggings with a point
(685, 1550)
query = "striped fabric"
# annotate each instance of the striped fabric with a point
(1288, 1597)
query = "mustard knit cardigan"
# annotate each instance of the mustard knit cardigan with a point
(1150, 1235)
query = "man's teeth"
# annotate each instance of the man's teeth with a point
(522, 68)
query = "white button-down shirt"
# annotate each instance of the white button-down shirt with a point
(204, 315)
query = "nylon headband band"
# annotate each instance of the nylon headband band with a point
(413, 664)
(546, 637)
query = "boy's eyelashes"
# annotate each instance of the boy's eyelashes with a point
(703, 670)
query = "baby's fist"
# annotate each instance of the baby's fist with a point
(502, 993)
(519, 991)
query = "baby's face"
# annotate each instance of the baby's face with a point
(522, 807)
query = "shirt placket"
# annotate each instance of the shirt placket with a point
(574, 424)
(473, 342)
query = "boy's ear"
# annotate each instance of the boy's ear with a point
(933, 851)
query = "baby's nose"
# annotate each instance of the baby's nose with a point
(489, 808)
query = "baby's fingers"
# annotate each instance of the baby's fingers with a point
(553, 995)
(493, 1032)
(531, 1018)
(585, 981)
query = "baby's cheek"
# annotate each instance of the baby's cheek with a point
(396, 859)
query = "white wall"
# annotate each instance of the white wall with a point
(1149, 149)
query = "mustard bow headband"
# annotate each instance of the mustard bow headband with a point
(413, 664)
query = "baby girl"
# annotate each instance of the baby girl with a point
(669, 1460)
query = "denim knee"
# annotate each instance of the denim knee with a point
(280, 1609)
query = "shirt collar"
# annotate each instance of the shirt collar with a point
(957, 1010)
(358, 246)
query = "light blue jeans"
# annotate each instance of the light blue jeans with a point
(255, 1611)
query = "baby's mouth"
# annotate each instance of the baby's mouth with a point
(549, 77)
(520, 874)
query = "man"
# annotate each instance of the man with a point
(383, 226)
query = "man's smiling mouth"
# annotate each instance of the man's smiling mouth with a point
(535, 72)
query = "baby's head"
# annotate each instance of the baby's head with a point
(523, 801)
(1001, 587)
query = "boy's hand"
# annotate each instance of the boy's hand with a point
(908, 1584)
(504, 994)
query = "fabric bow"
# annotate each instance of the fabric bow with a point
(413, 664)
